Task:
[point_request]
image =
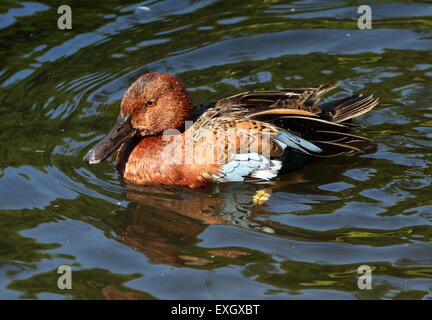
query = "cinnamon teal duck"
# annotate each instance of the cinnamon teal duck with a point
(251, 136)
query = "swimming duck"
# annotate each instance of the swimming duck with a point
(250, 136)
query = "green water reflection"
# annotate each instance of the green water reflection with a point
(60, 92)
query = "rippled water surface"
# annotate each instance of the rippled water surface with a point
(60, 92)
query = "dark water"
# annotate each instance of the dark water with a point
(60, 91)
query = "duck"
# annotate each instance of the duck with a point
(248, 137)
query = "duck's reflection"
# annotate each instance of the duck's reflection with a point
(163, 222)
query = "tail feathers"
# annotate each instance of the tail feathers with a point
(348, 108)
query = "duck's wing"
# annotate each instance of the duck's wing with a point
(262, 105)
(268, 105)
(242, 148)
(305, 99)
(275, 122)
(288, 99)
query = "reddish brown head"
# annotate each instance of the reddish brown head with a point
(155, 102)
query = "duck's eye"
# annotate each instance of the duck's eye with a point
(149, 103)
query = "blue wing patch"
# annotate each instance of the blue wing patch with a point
(248, 165)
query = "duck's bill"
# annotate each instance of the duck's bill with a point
(121, 132)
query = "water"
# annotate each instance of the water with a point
(60, 92)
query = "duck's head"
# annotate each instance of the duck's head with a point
(154, 103)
